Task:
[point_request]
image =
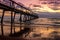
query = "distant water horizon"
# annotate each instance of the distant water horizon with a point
(49, 15)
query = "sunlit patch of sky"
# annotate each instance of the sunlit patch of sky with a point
(51, 5)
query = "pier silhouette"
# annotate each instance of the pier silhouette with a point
(16, 8)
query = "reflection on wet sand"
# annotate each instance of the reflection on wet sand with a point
(38, 31)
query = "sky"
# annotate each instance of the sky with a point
(28, 2)
(43, 5)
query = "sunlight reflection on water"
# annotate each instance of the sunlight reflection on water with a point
(41, 30)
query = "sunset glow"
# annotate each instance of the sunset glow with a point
(47, 5)
(30, 19)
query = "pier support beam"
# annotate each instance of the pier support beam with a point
(14, 21)
(11, 21)
(2, 22)
(25, 18)
(28, 18)
(20, 19)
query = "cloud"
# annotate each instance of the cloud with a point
(51, 5)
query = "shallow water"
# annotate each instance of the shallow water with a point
(42, 28)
